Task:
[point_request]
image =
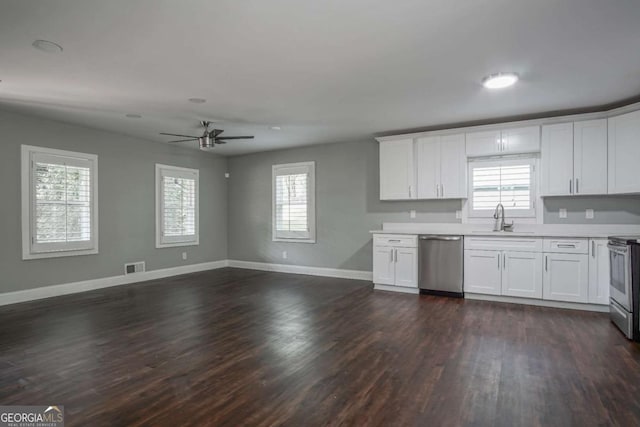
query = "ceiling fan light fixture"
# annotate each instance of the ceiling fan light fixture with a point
(500, 80)
(206, 143)
(47, 46)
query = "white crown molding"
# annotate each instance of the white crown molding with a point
(301, 269)
(519, 123)
(105, 282)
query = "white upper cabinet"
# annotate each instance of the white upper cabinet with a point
(397, 179)
(507, 141)
(428, 170)
(453, 167)
(624, 153)
(574, 158)
(521, 140)
(590, 157)
(484, 143)
(557, 159)
(441, 167)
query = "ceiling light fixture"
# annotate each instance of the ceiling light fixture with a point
(197, 100)
(276, 128)
(47, 46)
(500, 80)
(134, 116)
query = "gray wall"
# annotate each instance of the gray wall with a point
(348, 206)
(126, 203)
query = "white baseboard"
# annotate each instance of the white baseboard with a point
(301, 269)
(105, 282)
(396, 289)
(539, 302)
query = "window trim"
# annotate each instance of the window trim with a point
(531, 214)
(180, 173)
(27, 201)
(311, 202)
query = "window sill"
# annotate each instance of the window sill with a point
(58, 254)
(294, 240)
(176, 244)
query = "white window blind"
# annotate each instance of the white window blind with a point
(60, 189)
(293, 202)
(510, 182)
(177, 210)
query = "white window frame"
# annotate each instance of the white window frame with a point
(32, 250)
(533, 215)
(289, 169)
(177, 172)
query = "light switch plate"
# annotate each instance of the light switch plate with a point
(284, 254)
(458, 214)
(184, 255)
(588, 214)
(563, 213)
(412, 213)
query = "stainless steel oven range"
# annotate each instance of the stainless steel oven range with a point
(624, 253)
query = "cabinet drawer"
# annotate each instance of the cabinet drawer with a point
(397, 240)
(566, 246)
(518, 244)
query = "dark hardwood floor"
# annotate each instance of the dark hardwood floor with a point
(241, 347)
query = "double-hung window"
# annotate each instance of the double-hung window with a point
(59, 203)
(176, 206)
(294, 202)
(508, 181)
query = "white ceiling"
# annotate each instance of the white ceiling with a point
(326, 71)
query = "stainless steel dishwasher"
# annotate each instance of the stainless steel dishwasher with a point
(440, 264)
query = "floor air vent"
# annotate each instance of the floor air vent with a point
(134, 267)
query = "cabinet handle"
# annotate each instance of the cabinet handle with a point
(498, 261)
(437, 191)
(396, 258)
(546, 263)
(593, 248)
(391, 255)
(504, 261)
(441, 190)
(409, 191)
(577, 185)
(570, 186)
(567, 246)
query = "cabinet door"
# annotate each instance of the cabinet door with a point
(624, 153)
(406, 267)
(428, 167)
(566, 277)
(599, 271)
(557, 159)
(453, 167)
(396, 170)
(521, 140)
(383, 265)
(522, 274)
(483, 143)
(482, 272)
(590, 157)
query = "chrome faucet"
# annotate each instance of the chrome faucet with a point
(498, 215)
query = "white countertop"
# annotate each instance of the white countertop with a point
(523, 230)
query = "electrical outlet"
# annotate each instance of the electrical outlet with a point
(284, 254)
(227, 175)
(458, 214)
(563, 213)
(412, 213)
(588, 214)
(184, 255)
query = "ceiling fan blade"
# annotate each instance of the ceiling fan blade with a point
(234, 137)
(183, 140)
(215, 132)
(176, 134)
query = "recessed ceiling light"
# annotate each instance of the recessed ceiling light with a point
(197, 100)
(134, 116)
(47, 46)
(500, 80)
(275, 128)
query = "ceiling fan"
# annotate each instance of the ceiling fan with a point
(208, 139)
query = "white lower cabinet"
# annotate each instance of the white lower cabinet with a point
(482, 272)
(566, 277)
(508, 273)
(522, 274)
(395, 261)
(599, 271)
